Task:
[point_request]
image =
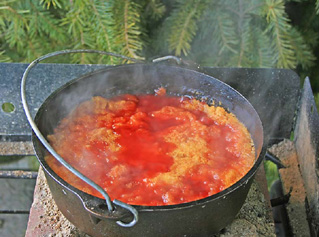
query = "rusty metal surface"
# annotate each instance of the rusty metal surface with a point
(307, 146)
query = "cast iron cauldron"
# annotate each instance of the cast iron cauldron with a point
(198, 218)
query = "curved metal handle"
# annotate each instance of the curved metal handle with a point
(50, 148)
(168, 57)
(178, 61)
(97, 210)
(131, 209)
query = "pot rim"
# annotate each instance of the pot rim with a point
(222, 194)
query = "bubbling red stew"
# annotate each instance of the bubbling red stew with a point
(152, 149)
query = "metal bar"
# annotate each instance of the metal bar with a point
(18, 174)
(280, 200)
(275, 160)
(14, 212)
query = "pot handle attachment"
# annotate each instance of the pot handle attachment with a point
(179, 61)
(54, 153)
(97, 211)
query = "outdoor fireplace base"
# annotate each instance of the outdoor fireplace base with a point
(254, 219)
(282, 103)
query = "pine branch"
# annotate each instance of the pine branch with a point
(236, 39)
(254, 45)
(278, 28)
(48, 3)
(77, 23)
(219, 32)
(34, 24)
(225, 33)
(183, 25)
(155, 9)
(217, 42)
(16, 32)
(4, 58)
(73, 19)
(13, 27)
(259, 50)
(103, 23)
(43, 23)
(243, 31)
(302, 51)
(127, 27)
(15, 12)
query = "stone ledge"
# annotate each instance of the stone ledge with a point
(292, 185)
(46, 220)
(16, 148)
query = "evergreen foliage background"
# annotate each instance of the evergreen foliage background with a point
(225, 33)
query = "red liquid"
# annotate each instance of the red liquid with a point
(152, 150)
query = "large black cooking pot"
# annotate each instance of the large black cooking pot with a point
(198, 218)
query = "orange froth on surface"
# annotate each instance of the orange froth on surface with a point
(152, 150)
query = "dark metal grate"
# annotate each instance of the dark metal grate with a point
(16, 174)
